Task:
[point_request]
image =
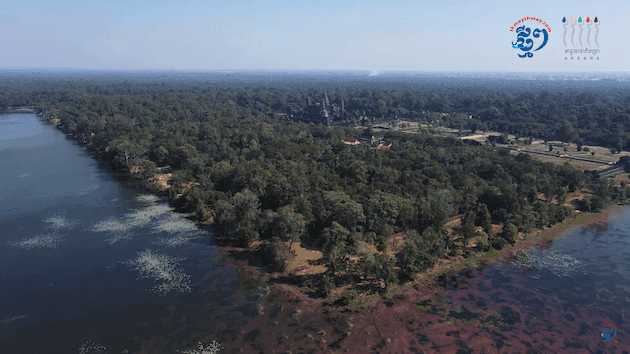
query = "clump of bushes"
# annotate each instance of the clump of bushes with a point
(483, 242)
(348, 297)
(326, 284)
(276, 254)
(498, 242)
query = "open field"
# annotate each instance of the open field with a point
(580, 165)
(624, 177)
(600, 153)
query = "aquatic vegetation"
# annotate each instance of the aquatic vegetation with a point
(120, 229)
(50, 240)
(178, 240)
(89, 347)
(147, 198)
(169, 222)
(175, 223)
(557, 263)
(11, 319)
(161, 267)
(119, 237)
(136, 220)
(60, 222)
(212, 348)
(144, 216)
(117, 230)
(110, 225)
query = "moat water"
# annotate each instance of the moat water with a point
(71, 237)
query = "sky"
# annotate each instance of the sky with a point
(420, 35)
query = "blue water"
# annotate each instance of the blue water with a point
(575, 287)
(56, 299)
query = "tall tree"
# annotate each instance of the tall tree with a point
(237, 219)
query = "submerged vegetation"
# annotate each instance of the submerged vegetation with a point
(49, 240)
(147, 198)
(146, 215)
(177, 240)
(110, 225)
(59, 222)
(175, 223)
(548, 260)
(160, 217)
(91, 347)
(212, 348)
(161, 267)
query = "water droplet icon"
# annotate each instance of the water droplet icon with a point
(564, 19)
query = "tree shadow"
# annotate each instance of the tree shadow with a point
(253, 258)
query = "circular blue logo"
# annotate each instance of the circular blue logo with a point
(608, 332)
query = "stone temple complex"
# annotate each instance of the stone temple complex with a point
(323, 112)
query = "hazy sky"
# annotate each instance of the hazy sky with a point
(420, 35)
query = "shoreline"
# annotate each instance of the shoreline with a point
(543, 238)
(419, 311)
(546, 236)
(25, 109)
(428, 279)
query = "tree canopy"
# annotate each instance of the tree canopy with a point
(274, 180)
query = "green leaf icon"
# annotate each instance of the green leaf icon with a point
(580, 19)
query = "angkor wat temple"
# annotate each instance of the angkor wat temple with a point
(319, 112)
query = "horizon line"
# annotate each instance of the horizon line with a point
(375, 72)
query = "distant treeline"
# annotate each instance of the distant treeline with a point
(583, 112)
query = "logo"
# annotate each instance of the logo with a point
(584, 53)
(608, 332)
(526, 43)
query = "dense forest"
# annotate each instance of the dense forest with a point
(588, 112)
(261, 179)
